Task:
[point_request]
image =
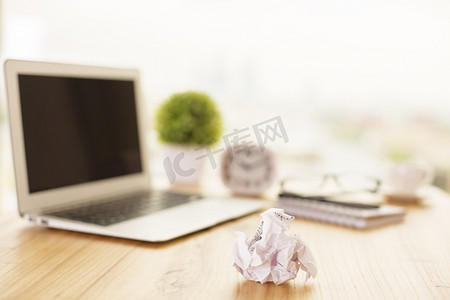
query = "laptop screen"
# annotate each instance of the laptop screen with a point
(78, 130)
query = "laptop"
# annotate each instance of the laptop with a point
(80, 157)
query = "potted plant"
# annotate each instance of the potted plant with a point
(186, 122)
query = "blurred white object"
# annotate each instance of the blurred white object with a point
(271, 255)
(182, 165)
(404, 179)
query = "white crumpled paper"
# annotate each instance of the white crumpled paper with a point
(271, 255)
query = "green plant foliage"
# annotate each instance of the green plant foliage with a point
(399, 154)
(190, 118)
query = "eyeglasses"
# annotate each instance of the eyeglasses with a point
(337, 183)
(324, 187)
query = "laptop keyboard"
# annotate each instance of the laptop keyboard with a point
(118, 210)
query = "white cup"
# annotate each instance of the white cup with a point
(404, 179)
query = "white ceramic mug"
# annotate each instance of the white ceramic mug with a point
(404, 179)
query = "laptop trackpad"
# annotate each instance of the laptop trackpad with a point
(186, 218)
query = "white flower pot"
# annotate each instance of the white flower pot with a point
(182, 164)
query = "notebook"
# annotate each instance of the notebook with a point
(354, 215)
(80, 156)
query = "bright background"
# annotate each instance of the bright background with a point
(352, 74)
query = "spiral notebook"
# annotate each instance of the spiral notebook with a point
(354, 215)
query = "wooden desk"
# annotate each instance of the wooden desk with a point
(405, 261)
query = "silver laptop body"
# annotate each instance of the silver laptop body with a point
(79, 154)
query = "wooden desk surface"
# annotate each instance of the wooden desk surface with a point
(406, 261)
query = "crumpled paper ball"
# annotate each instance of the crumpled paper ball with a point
(270, 255)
